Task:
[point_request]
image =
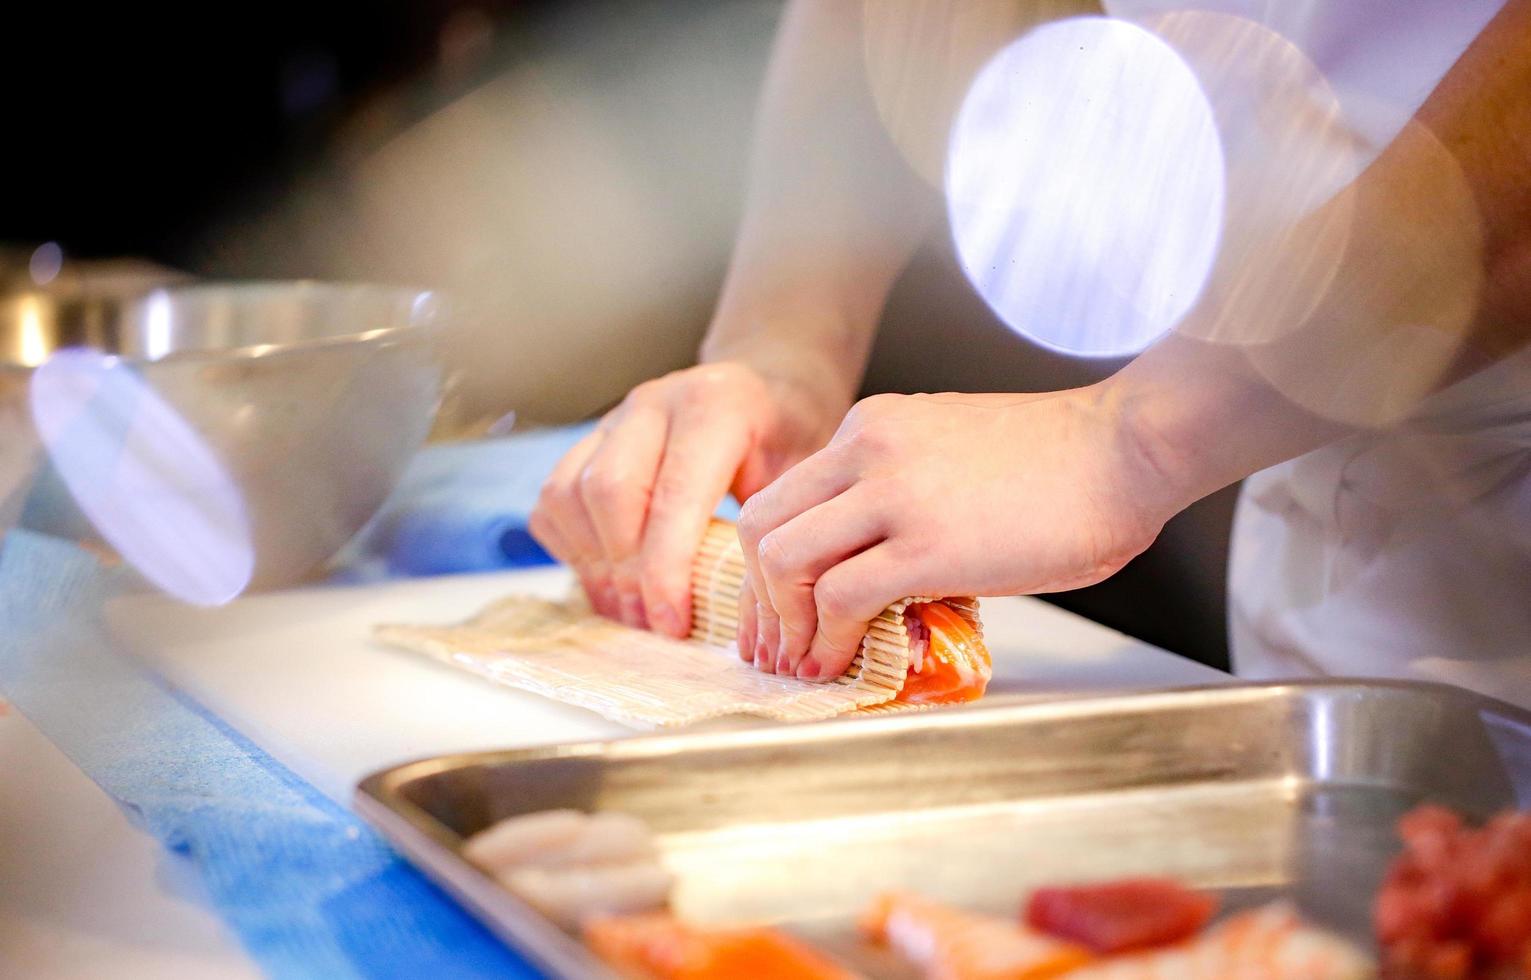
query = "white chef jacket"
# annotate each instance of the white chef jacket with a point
(1403, 553)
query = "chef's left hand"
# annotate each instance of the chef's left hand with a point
(941, 495)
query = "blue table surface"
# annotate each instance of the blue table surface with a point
(310, 890)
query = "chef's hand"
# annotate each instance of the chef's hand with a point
(627, 506)
(943, 495)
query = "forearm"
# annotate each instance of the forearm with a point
(1197, 417)
(1481, 112)
(1434, 284)
(833, 213)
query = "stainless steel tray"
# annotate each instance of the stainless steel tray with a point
(1255, 791)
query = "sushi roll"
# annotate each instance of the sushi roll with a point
(918, 651)
(948, 661)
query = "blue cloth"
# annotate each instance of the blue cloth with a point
(462, 507)
(310, 890)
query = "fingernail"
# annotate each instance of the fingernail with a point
(606, 603)
(762, 655)
(808, 670)
(783, 664)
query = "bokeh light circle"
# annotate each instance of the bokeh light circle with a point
(1085, 186)
(46, 263)
(921, 57)
(1290, 155)
(147, 480)
(1396, 323)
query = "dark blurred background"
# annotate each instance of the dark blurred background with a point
(145, 125)
(584, 158)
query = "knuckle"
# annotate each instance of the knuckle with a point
(775, 555)
(697, 396)
(752, 520)
(832, 599)
(870, 426)
(547, 498)
(646, 393)
(600, 485)
(714, 377)
(872, 408)
(557, 496)
(855, 418)
(672, 486)
(872, 439)
(711, 385)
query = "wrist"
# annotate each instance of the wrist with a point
(1194, 418)
(1154, 446)
(797, 360)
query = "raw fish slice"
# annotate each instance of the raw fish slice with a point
(517, 839)
(1121, 916)
(660, 947)
(570, 865)
(1269, 943)
(951, 944)
(571, 895)
(606, 837)
(558, 838)
(948, 662)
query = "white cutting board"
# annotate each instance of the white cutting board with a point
(297, 673)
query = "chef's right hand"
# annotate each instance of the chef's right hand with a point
(628, 505)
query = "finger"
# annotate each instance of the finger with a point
(793, 556)
(555, 496)
(847, 597)
(614, 488)
(560, 521)
(594, 574)
(820, 477)
(763, 645)
(703, 451)
(767, 636)
(746, 640)
(811, 482)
